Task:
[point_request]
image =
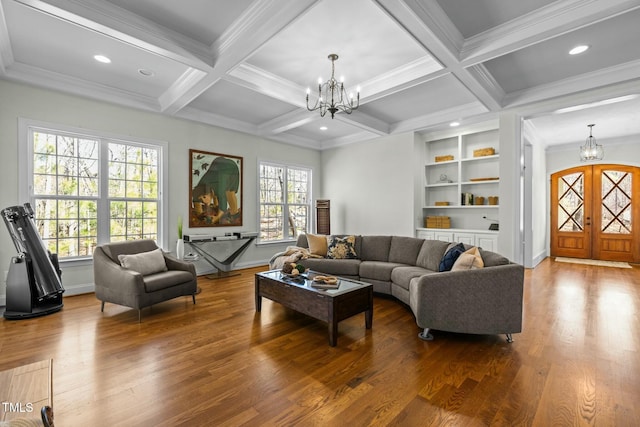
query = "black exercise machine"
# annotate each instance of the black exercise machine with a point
(33, 281)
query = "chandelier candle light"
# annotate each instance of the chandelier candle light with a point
(332, 96)
(591, 150)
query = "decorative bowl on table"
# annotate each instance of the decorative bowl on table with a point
(293, 270)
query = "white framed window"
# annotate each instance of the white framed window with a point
(88, 188)
(285, 201)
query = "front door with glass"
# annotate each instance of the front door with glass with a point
(593, 209)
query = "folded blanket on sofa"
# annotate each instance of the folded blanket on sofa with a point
(291, 254)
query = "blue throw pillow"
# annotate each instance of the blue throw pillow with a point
(450, 257)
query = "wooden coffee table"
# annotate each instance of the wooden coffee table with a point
(329, 305)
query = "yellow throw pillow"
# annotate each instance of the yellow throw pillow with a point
(317, 244)
(468, 260)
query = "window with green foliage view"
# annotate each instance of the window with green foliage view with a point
(285, 201)
(80, 184)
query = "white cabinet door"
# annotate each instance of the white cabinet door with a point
(488, 242)
(445, 236)
(424, 234)
(466, 238)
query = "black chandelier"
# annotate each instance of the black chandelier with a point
(591, 150)
(332, 96)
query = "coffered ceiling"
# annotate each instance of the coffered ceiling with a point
(245, 65)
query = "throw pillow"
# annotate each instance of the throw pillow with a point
(145, 262)
(317, 244)
(469, 260)
(341, 247)
(450, 256)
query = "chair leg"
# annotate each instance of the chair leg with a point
(194, 298)
(509, 338)
(425, 335)
(139, 316)
(102, 307)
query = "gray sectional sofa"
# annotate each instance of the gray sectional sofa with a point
(480, 301)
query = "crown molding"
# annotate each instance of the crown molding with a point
(262, 81)
(444, 116)
(555, 19)
(608, 76)
(6, 53)
(346, 140)
(112, 21)
(401, 78)
(197, 115)
(67, 84)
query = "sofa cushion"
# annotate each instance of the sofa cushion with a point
(468, 260)
(378, 270)
(375, 248)
(342, 247)
(317, 244)
(431, 254)
(166, 279)
(343, 267)
(145, 262)
(449, 258)
(401, 276)
(491, 259)
(404, 250)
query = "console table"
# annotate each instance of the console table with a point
(220, 254)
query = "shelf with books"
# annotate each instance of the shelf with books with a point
(474, 169)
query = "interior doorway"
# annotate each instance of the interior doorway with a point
(595, 213)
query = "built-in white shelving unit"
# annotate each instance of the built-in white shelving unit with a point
(446, 181)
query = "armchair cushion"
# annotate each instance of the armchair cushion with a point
(165, 279)
(144, 263)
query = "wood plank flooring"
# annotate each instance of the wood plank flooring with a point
(219, 363)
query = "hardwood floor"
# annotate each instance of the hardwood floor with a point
(218, 362)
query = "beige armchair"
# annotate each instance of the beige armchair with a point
(137, 274)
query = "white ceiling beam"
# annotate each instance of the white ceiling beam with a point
(427, 23)
(112, 21)
(365, 122)
(555, 19)
(257, 25)
(396, 80)
(262, 81)
(444, 116)
(629, 71)
(213, 119)
(286, 122)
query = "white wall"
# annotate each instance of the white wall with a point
(17, 100)
(371, 186)
(511, 234)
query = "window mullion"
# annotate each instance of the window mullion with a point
(103, 195)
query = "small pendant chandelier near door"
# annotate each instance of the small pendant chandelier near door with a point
(591, 150)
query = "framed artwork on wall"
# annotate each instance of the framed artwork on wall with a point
(215, 189)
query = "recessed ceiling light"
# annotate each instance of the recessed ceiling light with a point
(454, 124)
(102, 58)
(578, 49)
(145, 72)
(323, 128)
